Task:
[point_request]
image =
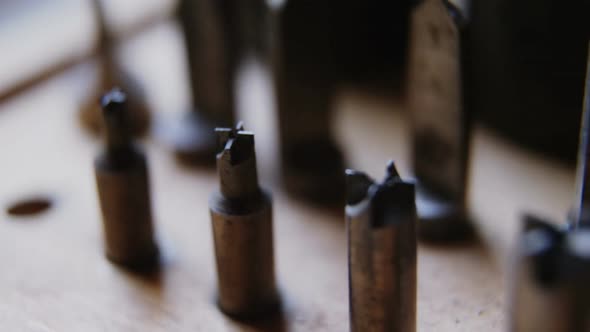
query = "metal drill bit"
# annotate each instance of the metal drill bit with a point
(550, 292)
(241, 215)
(582, 200)
(440, 120)
(123, 190)
(381, 225)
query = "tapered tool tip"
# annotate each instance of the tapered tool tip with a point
(114, 99)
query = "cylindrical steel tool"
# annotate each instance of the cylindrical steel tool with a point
(241, 215)
(381, 223)
(123, 190)
(212, 44)
(303, 72)
(550, 291)
(440, 120)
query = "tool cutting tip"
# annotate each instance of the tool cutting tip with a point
(113, 100)
(235, 144)
(391, 170)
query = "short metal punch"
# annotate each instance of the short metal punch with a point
(241, 217)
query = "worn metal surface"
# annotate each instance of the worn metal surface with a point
(440, 120)
(550, 291)
(303, 73)
(381, 224)
(123, 190)
(241, 215)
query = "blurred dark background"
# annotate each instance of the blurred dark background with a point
(525, 70)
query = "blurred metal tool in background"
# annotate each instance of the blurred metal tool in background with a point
(241, 215)
(440, 120)
(123, 190)
(581, 212)
(112, 74)
(253, 29)
(212, 52)
(550, 291)
(381, 224)
(302, 61)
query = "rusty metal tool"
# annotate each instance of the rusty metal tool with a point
(123, 189)
(312, 164)
(440, 120)
(381, 224)
(111, 73)
(212, 43)
(550, 290)
(241, 216)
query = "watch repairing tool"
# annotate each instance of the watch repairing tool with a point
(440, 133)
(381, 224)
(241, 215)
(123, 190)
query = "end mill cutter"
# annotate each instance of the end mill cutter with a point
(241, 215)
(381, 225)
(123, 190)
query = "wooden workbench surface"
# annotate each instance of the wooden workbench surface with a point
(54, 276)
